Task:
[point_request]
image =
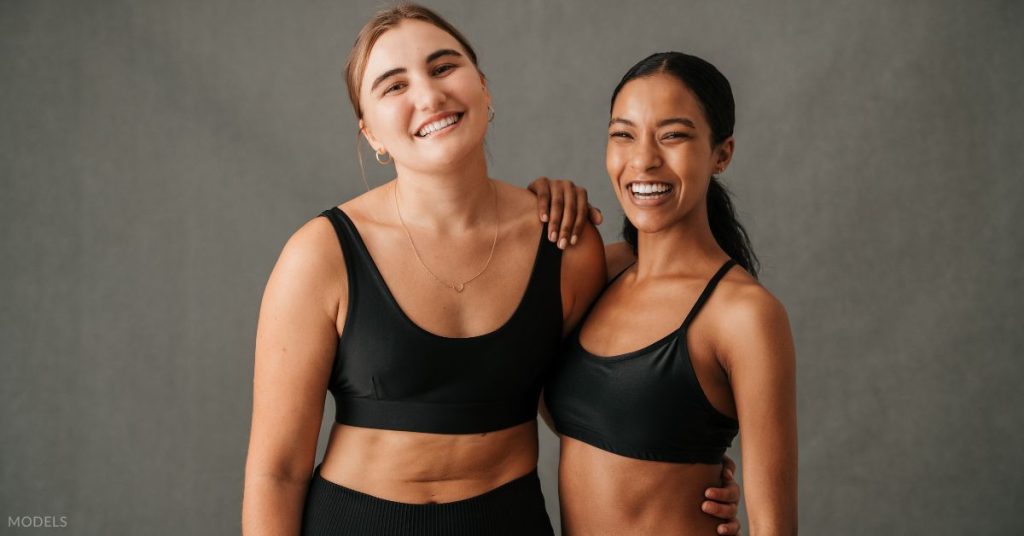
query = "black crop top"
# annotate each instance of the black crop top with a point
(390, 373)
(645, 404)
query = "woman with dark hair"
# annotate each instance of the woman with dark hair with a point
(430, 308)
(682, 350)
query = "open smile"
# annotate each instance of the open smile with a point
(439, 124)
(649, 190)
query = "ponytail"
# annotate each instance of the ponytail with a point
(715, 96)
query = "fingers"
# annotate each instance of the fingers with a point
(731, 528)
(725, 511)
(568, 217)
(581, 215)
(595, 215)
(728, 493)
(542, 188)
(555, 211)
(728, 464)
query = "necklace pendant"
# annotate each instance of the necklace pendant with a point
(459, 287)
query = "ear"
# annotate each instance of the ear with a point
(370, 138)
(487, 91)
(723, 153)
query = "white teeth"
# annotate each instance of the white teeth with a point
(437, 125)
(644, 188)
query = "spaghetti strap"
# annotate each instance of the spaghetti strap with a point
(631, 404)
(706, 293)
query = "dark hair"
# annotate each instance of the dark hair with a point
(715, 97)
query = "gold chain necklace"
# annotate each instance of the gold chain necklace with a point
(457, 287)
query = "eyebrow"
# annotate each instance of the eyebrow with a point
(671, 120)
(399, 70)
(443, 52)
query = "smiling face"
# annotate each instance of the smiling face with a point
(659, 155)
(422, 98)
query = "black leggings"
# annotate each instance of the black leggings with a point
(514, 508)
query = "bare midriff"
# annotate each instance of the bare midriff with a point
(604, 493)
(424, 468)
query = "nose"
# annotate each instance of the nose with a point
(645, 155)
(429, 96)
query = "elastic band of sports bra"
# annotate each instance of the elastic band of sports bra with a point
(438, 417)
(692, 454)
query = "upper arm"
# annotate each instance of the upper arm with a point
(618, 256)
(583, 276)
(296, 338)
(761, 362)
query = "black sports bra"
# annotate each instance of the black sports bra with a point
(390, 373)
(645, 404)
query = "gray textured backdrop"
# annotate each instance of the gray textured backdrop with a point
(156, 156)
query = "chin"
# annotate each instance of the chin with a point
(444, 161)
(649, 223)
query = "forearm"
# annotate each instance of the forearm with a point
(777, 527)
(272, 506)
(772, 498)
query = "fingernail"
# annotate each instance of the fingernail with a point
(544, 218)
(561, 243)
(705, 506)
(573, 240)
(551, 236)
(709, 494)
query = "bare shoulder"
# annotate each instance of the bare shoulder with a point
(366, 208)
(523, 205)
(743, 300)
(520, 202)
(522, 195)
(314, 243)
(747, 318)
(311, 263)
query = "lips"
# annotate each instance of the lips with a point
(437, 123)
(649, 190)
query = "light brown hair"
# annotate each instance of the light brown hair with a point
(381, 22)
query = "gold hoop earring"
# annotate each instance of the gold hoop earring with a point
(378, 156)
(490, 113)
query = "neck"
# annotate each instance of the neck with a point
(451, 200)
(682, 248)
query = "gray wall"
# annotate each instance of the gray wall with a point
(155, 157)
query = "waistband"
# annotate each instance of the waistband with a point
(516, 507)
(434, 417)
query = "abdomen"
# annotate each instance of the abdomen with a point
(604, 493)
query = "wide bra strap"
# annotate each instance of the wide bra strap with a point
(544, 288)
(706, 293)
(345, 230)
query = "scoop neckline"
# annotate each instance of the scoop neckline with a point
(674, 334)
(393, 303)
(627, 355)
